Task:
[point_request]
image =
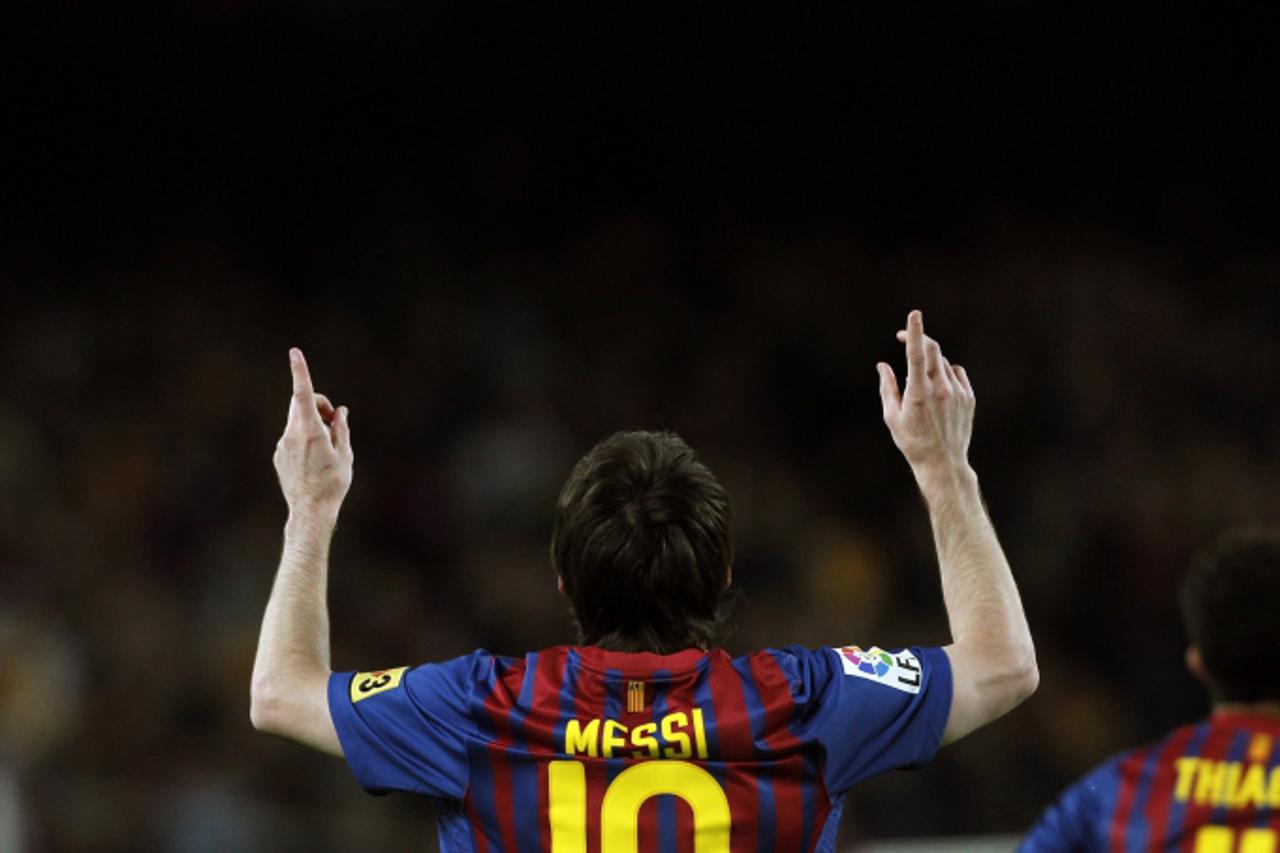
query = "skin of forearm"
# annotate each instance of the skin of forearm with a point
(978, 589)
(295, 629)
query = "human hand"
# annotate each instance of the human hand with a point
(313, 458)
(932, 420)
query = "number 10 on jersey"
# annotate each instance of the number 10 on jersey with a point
(620, 809)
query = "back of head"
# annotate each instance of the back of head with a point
(642, 542)
(1231, 610)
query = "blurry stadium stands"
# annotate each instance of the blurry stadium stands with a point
(141, 520)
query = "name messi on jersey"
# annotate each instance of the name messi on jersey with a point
(675, 735)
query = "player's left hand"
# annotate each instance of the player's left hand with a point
(931, 421)
(313, 458)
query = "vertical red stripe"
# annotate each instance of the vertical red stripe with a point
(680, 697)
(498, 706)
(737, 749)
(789, 770)
(648, 831)
(539, 728)
(684, 827)
(1130, 773)
(1214, 748)
(1160, 792)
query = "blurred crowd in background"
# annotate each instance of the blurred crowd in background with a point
(500, 263)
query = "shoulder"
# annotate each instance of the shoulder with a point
(1101, 784)
(810, 672)
(1076, 820)
(451, 681)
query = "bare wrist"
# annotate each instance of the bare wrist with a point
(310, 522)
(940, 482)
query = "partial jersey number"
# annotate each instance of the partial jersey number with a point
(620, 808)
(1222, 839)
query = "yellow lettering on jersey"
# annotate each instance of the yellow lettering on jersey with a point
(1250, 791)
(673, 726)
(642, 736)
(1214, 839)
(366, 684)
(1258, 840)
(612, 741)
(567, 806)
(1273, 789)
(1186, 768)
(580, 740)
(699, 733)
(1230, 781)
(1209, 782)
(676, 735)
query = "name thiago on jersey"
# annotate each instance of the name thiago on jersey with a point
(1233, 784)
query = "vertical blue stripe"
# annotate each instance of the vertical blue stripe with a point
(831, 828)
(764, 776)
(1137, 832)
(1178, 814)
(703, 699)
(524, 767)
(480, 787)
(568, 695)
(666, 803)
(530, 676)
(1235, 752)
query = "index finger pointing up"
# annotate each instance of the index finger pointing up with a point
(916, 367)
(304, 396)
(301, 376)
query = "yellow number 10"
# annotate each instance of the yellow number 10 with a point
(1221, 839)
(620, 809)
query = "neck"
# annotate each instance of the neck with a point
(1251, 709)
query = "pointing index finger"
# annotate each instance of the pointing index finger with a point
(915, 346)
(303, 404)
(301, 376)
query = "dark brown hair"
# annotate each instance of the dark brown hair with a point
(642, 542)
(1231, 610)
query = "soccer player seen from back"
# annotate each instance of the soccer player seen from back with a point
(646, 734)
(1211, 787)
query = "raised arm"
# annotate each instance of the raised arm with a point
(992, 656)
(289, 691)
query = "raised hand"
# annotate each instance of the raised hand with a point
(932, 420)
(313, 458)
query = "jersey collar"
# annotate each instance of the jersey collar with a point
(600, 659)
(1246, 719)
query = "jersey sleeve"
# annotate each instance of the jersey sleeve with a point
(407, 729)
(1074, 822)
(872, 710)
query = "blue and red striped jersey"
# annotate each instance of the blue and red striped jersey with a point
(1213, 787)
(581, 750)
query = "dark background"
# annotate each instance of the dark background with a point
(502, 231)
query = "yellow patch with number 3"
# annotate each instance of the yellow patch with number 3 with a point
(366, 684)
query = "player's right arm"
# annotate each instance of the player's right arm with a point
(992, 656)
